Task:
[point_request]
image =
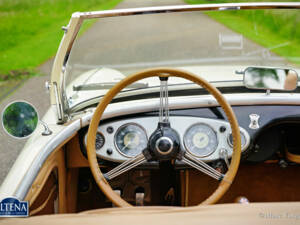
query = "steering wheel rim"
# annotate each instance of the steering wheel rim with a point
(169, 72)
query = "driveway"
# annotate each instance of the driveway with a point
(34, 92)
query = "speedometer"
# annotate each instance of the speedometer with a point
(200, 140)
(130, 139)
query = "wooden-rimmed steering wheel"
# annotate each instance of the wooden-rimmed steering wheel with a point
(164, 142)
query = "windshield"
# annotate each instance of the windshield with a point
(213, 45)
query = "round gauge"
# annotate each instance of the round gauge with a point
(200, 140)
(243, 140)
(131, 139)
(100, 140)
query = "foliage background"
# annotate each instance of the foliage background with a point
(30, 31)
(274, 29)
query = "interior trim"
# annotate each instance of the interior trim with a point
(57, 142)
(179, 123)
(40, 208)
(140, 106)
(150, 105)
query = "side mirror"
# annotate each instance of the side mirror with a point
(270, 78)
(19, 119)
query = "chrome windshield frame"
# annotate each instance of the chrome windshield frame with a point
(71, 32)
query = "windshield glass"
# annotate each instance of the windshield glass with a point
(213, 45)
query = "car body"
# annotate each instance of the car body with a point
(52, 171)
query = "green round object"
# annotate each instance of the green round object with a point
(19, 119)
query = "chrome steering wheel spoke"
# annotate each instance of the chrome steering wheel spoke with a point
(202, 166)
(164, 100)
(125, 166)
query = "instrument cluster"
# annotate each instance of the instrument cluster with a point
(204, 138)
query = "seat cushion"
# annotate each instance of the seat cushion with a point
(254, 213)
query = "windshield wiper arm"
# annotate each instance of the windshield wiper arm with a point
(106, 85)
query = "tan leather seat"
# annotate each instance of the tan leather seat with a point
(253, 213)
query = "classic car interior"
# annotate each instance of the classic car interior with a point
(269, 160)
(233, 142)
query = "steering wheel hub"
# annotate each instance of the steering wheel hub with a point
(164, 144)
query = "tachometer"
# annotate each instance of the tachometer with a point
(200, 140)
(130, 139)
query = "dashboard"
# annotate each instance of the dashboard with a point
(204, 138)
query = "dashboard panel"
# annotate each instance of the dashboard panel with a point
(205, 138)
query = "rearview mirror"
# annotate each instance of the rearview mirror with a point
(270, 78)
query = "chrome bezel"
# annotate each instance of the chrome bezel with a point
(169, 150)
(247, 139)
(118, 130)
(197, 124)
(231, 144)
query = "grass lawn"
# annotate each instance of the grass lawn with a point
(30, 31)
(268, 28)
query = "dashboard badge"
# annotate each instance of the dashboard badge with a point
(254, 121)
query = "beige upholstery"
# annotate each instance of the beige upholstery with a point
(252, 214)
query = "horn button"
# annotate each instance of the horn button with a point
(164, 143)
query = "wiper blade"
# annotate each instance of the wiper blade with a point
(106, 85)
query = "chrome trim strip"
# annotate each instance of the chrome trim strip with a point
(34, 169)
(150, 105)
(75, 109)
(187, 8)
(58, 103)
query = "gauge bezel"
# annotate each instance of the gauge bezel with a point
(124, 125)
(185, 145)
(231, 144)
